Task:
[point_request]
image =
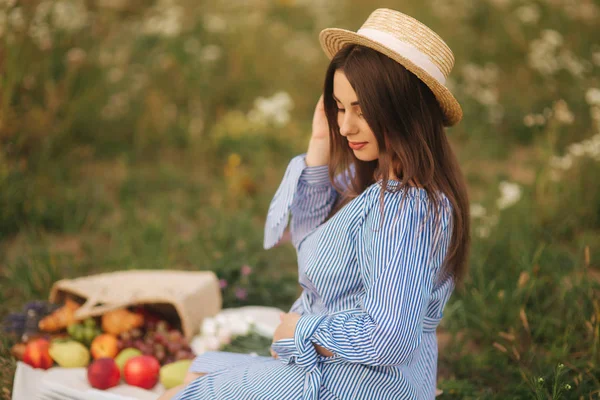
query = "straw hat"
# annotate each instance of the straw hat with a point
(409, 42)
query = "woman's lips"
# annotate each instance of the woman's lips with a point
(357, 145)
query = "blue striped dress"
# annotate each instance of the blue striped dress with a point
(371, 295)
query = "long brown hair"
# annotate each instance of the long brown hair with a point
(407, 122)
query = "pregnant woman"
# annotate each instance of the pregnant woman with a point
(379, 219)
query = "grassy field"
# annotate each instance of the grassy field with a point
(140, 134)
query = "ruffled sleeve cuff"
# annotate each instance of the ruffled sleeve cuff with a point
(279, 209)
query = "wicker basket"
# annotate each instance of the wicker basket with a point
(184, 298)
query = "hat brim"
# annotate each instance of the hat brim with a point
(333, 39)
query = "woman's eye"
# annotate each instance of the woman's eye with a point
(341, 109)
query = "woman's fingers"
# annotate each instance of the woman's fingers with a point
(275, 356)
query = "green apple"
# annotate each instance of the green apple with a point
(125, 355)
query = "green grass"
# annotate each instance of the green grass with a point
(139, 152)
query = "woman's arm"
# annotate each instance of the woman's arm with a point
(387, 327)
(308, 194)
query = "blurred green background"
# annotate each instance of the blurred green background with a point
(153, 134)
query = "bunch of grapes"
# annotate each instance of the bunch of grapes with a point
(158, 340)
(84, 332)
(23, 325)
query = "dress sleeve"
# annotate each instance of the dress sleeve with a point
(305, 191)
(387, 326)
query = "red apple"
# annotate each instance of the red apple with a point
(103, 373)
(37, 354)
(142, 371)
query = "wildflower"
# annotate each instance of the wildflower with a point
(540, 380)
(528, 14)
(562, 113)
(592, 96)
(222, 283)
(273, 110)
(69, 15)
(477, 210)
(510, 194)
(246, 270)
(210, 53)
(241, 293)
(483, 231)
(567, 386)
(214, 23)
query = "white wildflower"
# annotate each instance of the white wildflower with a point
(562, 114)
(528, 14)
(510, 193)
(272, 110)
(477, 210)
(561, 163)
(69, 15)
(529, 120)
(592, 96)
(482, 231)
(16, 20)
(210, 53)
(214, 23)
(576, 149)
(552, 37)
(165, 20)
(539, 119)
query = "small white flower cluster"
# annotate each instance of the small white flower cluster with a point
(214, 23)
(510, 194)
(485, 222)
(548, 56)
(528, 13)
(560, 112)
(70, 15)
(275, 110)
(588, 148)
(204, 54)
(220, 330)
(481, 83)
(165, 19)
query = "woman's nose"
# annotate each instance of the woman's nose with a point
(347, 126)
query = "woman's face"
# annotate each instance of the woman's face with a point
(352, 124)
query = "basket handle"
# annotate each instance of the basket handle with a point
(92, 308)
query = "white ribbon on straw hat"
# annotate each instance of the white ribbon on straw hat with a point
(408, 42)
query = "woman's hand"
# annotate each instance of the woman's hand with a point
(286, 328)
(318, 148)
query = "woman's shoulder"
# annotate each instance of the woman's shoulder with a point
(402, 199)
